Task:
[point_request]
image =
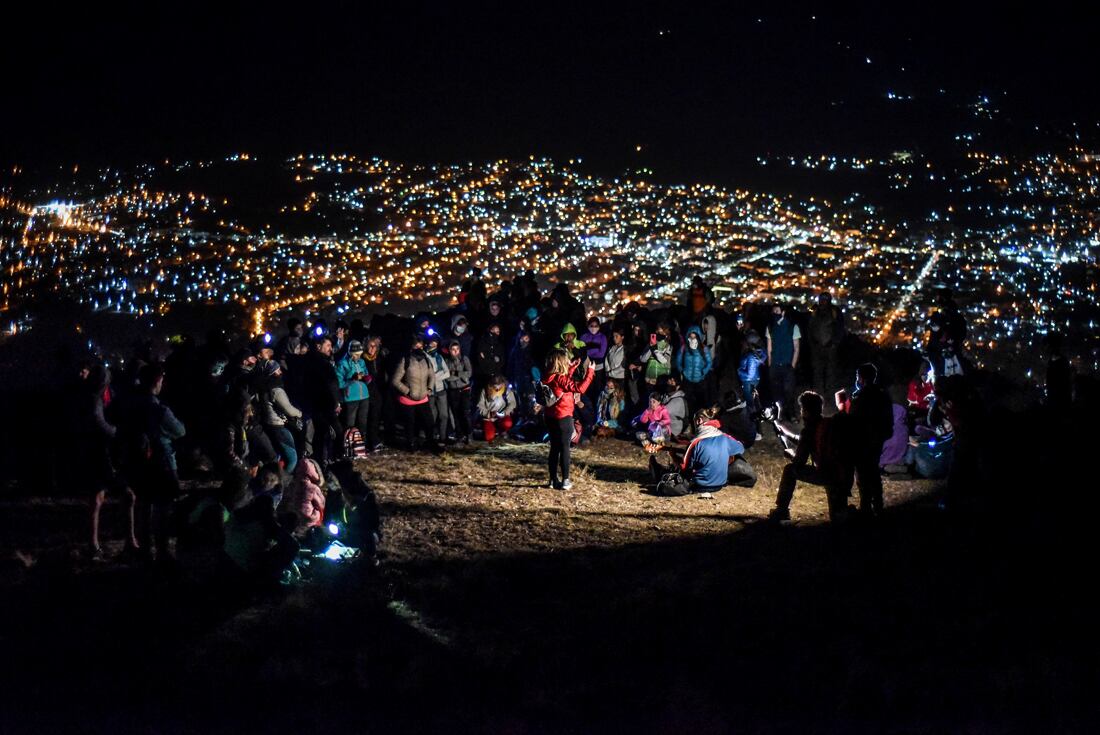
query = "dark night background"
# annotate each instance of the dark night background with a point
(720, 84)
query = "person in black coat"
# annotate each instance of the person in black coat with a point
(322, 391)
(871, 413)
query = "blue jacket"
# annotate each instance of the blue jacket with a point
(350, 388)
(694, 364)
(707, 460)
(749, 369)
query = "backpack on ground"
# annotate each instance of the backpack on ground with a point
(673, 484)
(354, 446)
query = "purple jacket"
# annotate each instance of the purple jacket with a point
(893, 450)
(597, 345)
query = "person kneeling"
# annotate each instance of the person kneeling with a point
(821, 440)
(713, 460)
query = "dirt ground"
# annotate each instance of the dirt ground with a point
(503, 606)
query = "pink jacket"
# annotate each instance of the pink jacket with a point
(305, 496)
(657, 415)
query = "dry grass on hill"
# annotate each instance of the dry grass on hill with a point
(488, 500)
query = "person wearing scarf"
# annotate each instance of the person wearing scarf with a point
(495, 407)
(713, 460)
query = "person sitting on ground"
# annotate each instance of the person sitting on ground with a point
(931, 447)
(892, 459)
(656, 421)
(611, 404)
(674, 401)
(713, 460)
(495, 408)
(305, 497)
(822, 441)
(736, 420)
(921, 390)
(259, 548)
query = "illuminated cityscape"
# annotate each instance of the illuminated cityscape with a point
(1018, 246)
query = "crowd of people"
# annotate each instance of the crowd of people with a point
(282, 416)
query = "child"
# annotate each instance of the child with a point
(495, 407)
(611, 404)
(752, 358)
(657, 422)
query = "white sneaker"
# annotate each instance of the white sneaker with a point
(567, 485)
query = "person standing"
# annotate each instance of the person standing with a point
(375, 358)
(441, 414)
(94, 450)
(784, 342)
(353, 378)
(872, 423)
(560, 396)
(148, 431)
(458, 390)
(413, 379)
(323, 394)
(826, 331)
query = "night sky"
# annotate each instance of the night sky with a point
(696, 88)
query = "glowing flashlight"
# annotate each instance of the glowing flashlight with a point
(334, 529)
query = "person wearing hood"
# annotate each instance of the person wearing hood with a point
(495, 408)
(695, 366)
(458, 387)
(570, 343)
(460, 331)
(713, 460)
(672, 398)
(352, 375)
(278, 415)
(413, 380)
(441, 413)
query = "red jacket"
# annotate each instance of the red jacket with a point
(564, 386)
